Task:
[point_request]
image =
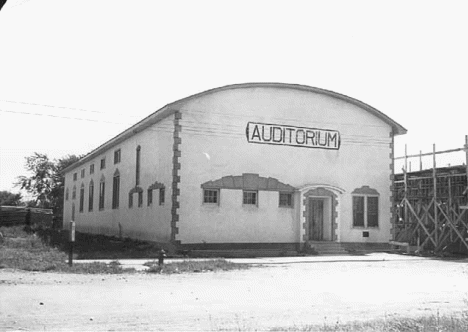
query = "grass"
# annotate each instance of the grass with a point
(190, 266)
(433, 323)
(25, 251)
(29, 252)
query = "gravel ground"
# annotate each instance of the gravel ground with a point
(282, 292)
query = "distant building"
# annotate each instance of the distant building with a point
(246, 164)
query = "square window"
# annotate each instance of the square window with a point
(211, 196)
(91, 169)
(286, 199)
(117, 156)
(250, 197)
(103, 163)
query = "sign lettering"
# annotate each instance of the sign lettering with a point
(264, 133)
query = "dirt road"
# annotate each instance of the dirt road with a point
(283, 293)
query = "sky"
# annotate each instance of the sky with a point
(73, 74)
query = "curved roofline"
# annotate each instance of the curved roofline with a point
(172, 107)
(397, 128)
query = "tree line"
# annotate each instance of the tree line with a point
(44, 182)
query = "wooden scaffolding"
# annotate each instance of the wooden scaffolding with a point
(430, 206)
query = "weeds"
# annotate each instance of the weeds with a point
(187, 266)
(28, 252)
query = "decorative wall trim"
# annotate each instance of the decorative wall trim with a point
(320, 192)
(175, 176)
(156, 185)
(365, 190)
(248, 181)
(135, 189)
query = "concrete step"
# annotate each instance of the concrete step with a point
(328, 248)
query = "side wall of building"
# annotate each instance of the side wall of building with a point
(150, 220)
(214, 145)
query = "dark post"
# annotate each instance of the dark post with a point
(161, 256)
(72, 242)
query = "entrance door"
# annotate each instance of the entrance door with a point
(316, 219)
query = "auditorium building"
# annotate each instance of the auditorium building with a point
(243, 165)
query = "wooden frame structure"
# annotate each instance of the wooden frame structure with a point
(430, 206)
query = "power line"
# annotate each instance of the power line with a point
(64, 107)
(197, 129)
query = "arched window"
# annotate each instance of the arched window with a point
(116, 190)
(82, 197)
(91, 196)
(138, 157)
(102, 192)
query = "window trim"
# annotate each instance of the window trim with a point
(117, 156)
(244, 192)
(218, 196)
(366, 210)
(102, 163)
(291, 195)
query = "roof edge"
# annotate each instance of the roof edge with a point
(172, 107)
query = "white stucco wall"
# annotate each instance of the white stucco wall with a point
(146, 222)
(214, 145)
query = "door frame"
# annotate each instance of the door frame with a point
(320, 191)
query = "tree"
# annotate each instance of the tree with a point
(46, 180)
(10, 199)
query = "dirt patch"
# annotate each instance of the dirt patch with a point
(259, 298)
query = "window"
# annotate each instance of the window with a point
(82, 198)
(116, 190)
(73, 211)
(211, 196)
(140, 198)
(103, 163)
(137, 171)
(102, 193)
(91, 196)
(74, 192)
(365, 211)
(130, 200)
(285, 199)
(82, 173)
(358, 211)
(372, 211)
(75, 176)
(150, 197)
(116, 156)
(66, 194)
(250, 197)
(91, 169)
(162, 193)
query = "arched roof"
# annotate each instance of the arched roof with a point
(397, 128)
(174, 106)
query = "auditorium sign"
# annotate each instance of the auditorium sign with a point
(264, 133)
